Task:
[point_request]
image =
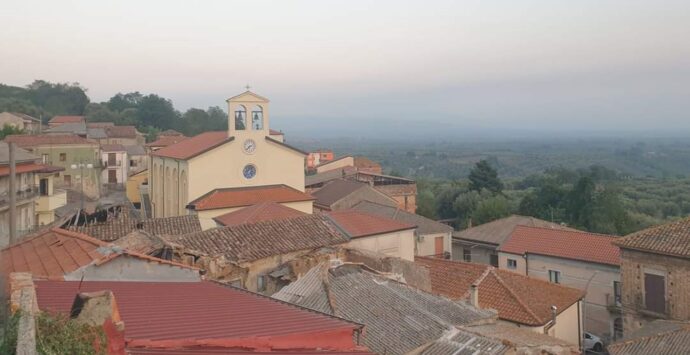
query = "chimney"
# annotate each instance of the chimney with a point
(474, 295)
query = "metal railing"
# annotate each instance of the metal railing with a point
(23, 193)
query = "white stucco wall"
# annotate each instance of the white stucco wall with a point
(426, 245)
(397, 244)
(127, 268)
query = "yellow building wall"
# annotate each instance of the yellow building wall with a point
(566, 327)
(207, 222)
(132, 187)
(397, 244)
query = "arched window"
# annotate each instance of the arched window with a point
(241, 118)
(257, 117)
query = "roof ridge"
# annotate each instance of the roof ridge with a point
(571, 230)
(515, 296)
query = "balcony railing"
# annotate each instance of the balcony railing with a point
(24, 193)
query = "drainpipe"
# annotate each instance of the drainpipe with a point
(526, 257)
(12, 192)
(474, 295)
(552, 322)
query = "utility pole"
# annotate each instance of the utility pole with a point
(13, 192)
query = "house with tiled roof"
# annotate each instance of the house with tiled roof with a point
(400, 319)
(247, 155)
(432, 238)
(480, 243)
(243, 254)
(21, 121)
(656, 337)
(164, 141)
(197, 318)
(58, 254)
(586, 261)
(218, 202)
(67, 151)
(35, 198)
(115, 162)
(371, 232)
(402, 190)
(58, 120)
(121, 224)
(343, 194)
(655, 268)
(522, 301)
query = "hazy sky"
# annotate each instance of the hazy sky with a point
(555, 65)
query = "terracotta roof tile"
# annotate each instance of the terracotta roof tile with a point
(170, 132)
(28, 168)
(176, 314)
(669, 239)
(517, 298)
(424, 225)
(274, 132)
(336, 190)
(165, 141)
(265, 211)
(66, 119)
(194, 146)
(247, 196)
(576, 245)
(29, 140)
(122, 225)
(253, 241)
(361, 224)
(496, 232)
(656, 337)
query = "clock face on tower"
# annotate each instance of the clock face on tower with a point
(249, 171)
(249, 146)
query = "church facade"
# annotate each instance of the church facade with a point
(248, 155)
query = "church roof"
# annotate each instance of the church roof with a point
(191, 147)
(259, 97)
(264, 211)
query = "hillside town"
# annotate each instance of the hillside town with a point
(236, 241)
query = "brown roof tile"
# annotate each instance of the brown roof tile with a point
(424, 225)
(359, 224)
(66, 119)
(517, 298)
(194, 146)
(170, 132)
(113, 148)
(165, 141)
(252, 241)
(265, 211)
(336, 190)
(657, 337)
(247, 196)
(669, 239)
(576, 245)
(29, 140)
(122, 225)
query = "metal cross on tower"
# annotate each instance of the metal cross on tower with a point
(248, 87)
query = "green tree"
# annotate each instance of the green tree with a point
(483, 176)
(9, 130)
(491, 209)
(426, 204)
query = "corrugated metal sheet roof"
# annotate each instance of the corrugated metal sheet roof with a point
(194, 311)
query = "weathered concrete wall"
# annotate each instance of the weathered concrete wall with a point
(479, 253)
(426, 246)
(127, 268)
(397, 244)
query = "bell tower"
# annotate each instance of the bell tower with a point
(248, 114)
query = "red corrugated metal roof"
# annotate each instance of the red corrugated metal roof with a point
(226, 351)
(568, 244)
(247, 196)
(265, 211)
(193, 146)
(360, 224)
(178, 314)
(29, 168)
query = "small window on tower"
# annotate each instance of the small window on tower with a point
(241, 118)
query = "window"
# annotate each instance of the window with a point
(617, 292)
(493, 260)
(554, 276)
(466, 254)
(512, 264)
(132, 163)
(63, 156)
(655, 292)
(68, 180)
(261, 283)
(617, 328)
(44, 158)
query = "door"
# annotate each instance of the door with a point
(43, 187)
(68, 180)
(111, 159)
(655, 293)
(112, 176)
(438, 246)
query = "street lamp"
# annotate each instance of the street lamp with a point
(81, 167)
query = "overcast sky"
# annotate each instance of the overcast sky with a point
(554, 65)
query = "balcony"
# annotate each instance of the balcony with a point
(46, 203)
(24, 193)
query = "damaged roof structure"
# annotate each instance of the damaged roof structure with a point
(118, 225)
(57, 254)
